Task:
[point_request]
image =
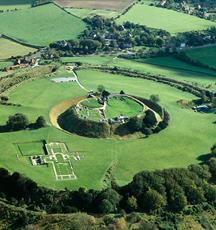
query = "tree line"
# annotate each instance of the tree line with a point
(20, 121)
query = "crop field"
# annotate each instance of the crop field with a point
(9, 48)
(86, 12)
(96, 4)
(206, 56)
(40, 25)
(169, 20)
(176, 146)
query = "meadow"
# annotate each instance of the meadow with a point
(176, 146)
(205, 55)
(9, 48)
(40, 25)
(160, 18)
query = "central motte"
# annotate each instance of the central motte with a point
(104, 115)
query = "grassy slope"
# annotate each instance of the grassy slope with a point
(182, 71)
(177, 146)
(9, 48)
(160, 18)
(41, 25)
(206, 56)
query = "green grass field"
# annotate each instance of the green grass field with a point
(206, 56)
(188, 136)
(40, 25)
(30, 148)
(4, 64)
(86, 12)
(9, 48)
(124, 106)
(166, 66)
(160, 18)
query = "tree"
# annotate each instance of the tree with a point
(149, 119)
(40, 122)
(213, 149)
(17, 122)
(177, 201)
(105, 206)
(155, 98)
(214, 102)
(153, 200)
(100, 88)
(132, 203)
(135, 124)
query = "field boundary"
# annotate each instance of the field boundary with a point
(20, 42)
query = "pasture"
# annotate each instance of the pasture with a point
(9, 48)
(117, 5)
(40, 25)
(160, 18)
(86, 12)
(176, 146)
(205, 56)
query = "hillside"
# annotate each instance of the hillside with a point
(41, 25)
(206, 56)
(172, 21)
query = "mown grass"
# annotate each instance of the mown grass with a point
(40, 25)
(206, 55)
(9, 48)
(160, 18)
(188, 136)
